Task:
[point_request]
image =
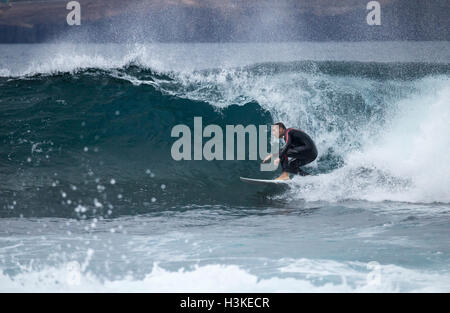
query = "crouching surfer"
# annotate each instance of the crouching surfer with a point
(299, 150)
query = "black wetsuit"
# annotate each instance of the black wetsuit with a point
(299, 150)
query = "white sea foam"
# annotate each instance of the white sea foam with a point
(407, 161)
(312, 276)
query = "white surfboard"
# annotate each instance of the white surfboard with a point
(265, 181)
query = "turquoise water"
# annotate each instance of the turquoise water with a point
(91, 200)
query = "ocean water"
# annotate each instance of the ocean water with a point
(91, 200)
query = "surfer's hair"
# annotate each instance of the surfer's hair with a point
(280, 125)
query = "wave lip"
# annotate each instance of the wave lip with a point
(26, 60)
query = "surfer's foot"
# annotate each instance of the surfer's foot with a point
(284, 176)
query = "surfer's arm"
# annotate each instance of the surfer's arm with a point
(285, 148)
(267, 158)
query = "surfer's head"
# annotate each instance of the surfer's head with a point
(278, 130)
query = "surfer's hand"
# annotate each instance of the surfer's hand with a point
(267, 158)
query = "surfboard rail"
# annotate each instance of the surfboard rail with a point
(264, 181)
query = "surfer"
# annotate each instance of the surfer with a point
(299, 150)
